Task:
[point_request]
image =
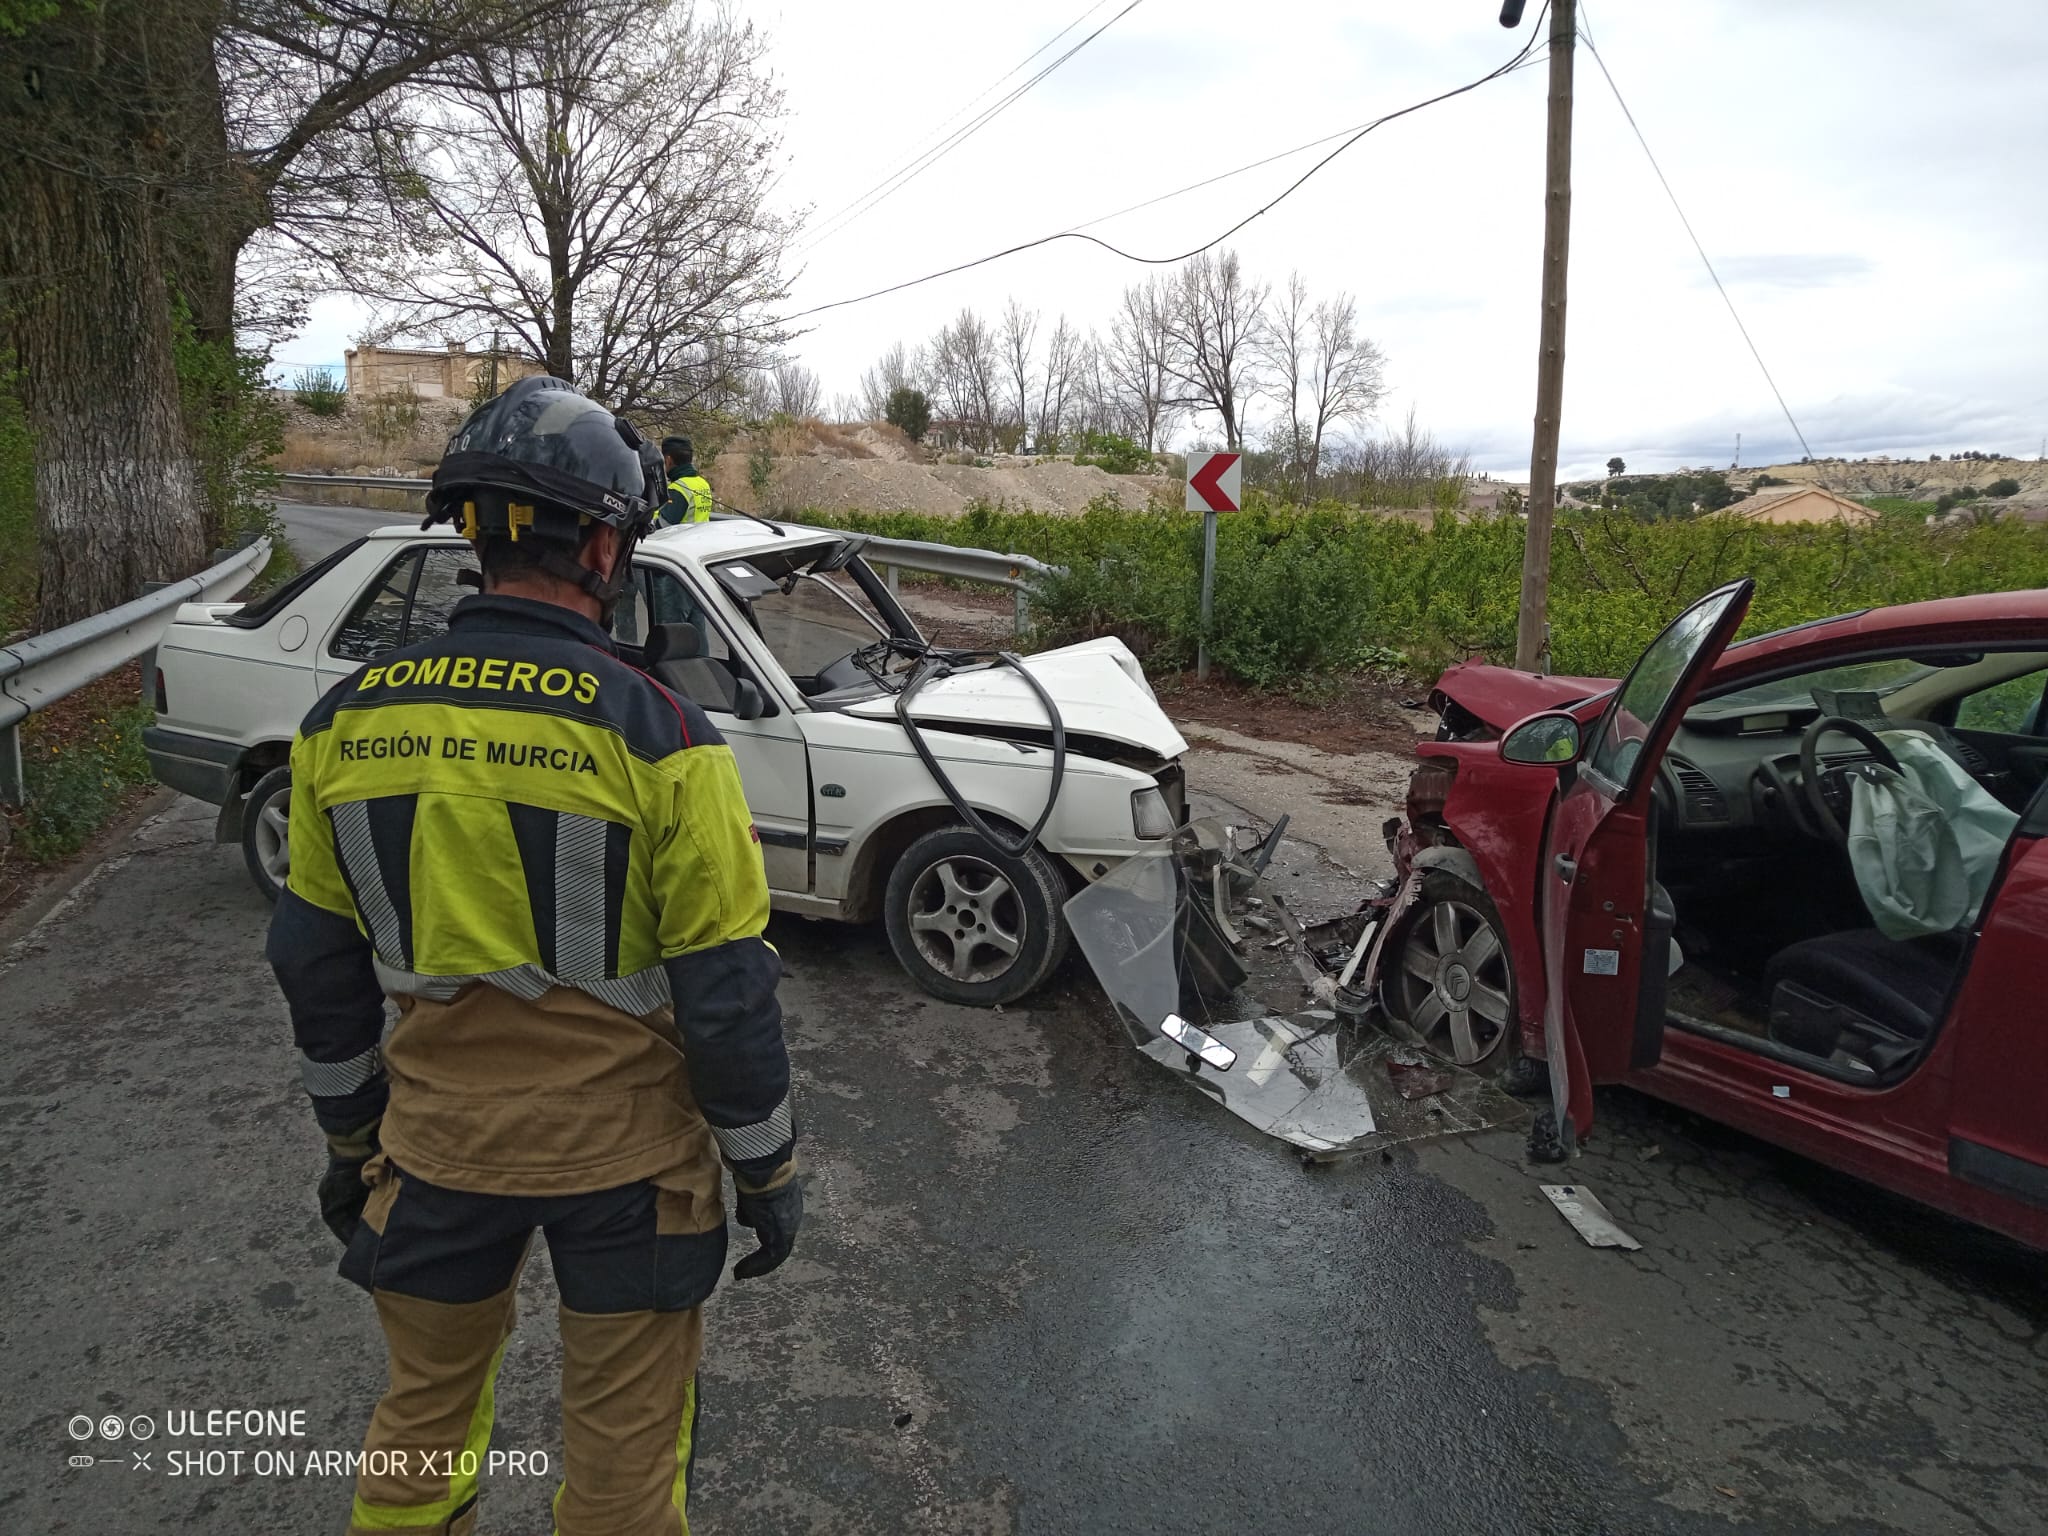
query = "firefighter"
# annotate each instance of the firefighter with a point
(545, 860)
(689, 493)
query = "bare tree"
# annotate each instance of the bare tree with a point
(1137, 359)
(798, 392)
(1322, 373)
(1410, 467)
(845, 409)
(756, 397)
(599, 191)
(1093, 403)
(1019, 337)
(1288, 351)
(1063, 358)
(965, 373)
(897, 368)
(1215, 325)
(1347, 378)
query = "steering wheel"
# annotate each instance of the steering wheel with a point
(1812, 775)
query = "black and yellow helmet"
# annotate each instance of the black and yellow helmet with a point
(542, 460)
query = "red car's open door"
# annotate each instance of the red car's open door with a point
(1603, 1013)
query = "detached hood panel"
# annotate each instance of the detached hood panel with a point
(1099, 687)
(1500, 696)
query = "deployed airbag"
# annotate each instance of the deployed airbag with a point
(1925, 842)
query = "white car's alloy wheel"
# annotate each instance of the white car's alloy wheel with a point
(266, 832)
(971, 924)
(968, 921)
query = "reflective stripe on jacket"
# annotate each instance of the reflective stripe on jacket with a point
(547, 859)
(689, 500)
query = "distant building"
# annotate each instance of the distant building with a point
(1799, 504)
(449, 373)
(1484, 494)
(950, 432)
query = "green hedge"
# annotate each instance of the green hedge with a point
(1307, 593)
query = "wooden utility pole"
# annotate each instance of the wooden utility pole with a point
(1532, 625)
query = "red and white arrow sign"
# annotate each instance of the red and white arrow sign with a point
(1215, 482)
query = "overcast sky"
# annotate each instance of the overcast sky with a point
(1867, 177)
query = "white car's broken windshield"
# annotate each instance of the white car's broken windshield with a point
(811, 612)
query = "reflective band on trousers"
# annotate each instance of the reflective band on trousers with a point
(332, 1079)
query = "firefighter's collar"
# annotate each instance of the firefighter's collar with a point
(527, 616)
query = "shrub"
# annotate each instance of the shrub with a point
(390, 416)
(74, 787)
(910, 412)
(236, 429)
(1302, 594)
(1118, 455)
(761, 471)
(320, 392)
(2003, 488)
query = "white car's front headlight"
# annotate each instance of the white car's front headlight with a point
(1151, 816)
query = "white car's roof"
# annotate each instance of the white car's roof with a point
(722, 538)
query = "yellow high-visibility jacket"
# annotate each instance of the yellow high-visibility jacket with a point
(689, 500)
(547, 860)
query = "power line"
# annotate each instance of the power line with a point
(895, 183)
(976, 101)
(1704, 259)
(1273, 159)
(1163, 261)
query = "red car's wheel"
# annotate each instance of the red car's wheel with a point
(1452, 983)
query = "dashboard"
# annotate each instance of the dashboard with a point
(1738, 771)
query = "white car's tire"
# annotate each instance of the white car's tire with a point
(972, 925)
(266, 825)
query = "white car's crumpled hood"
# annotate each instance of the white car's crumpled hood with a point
(1098, 685)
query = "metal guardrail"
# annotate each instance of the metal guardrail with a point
(1019, 573)
(359, 482)
(42, 669)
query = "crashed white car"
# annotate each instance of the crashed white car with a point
(800, 655)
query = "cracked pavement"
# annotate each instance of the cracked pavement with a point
(1041, 1288)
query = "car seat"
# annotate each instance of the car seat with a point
(1875, 999)
(674, 653)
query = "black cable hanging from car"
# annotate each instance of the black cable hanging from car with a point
(930, 663)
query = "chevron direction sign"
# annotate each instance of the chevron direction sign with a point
(1215, 482)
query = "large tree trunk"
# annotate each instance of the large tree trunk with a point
(117, 502)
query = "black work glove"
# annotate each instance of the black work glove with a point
(774, 1217)
(343, 1194)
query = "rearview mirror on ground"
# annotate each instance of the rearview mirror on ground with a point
(1551, 739)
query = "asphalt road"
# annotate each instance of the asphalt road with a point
(1042, 1288)
(316, 530)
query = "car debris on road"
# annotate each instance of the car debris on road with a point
(1162, 935)
(1582, 1208)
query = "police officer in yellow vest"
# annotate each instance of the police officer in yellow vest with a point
(545, 860)
(689, 493)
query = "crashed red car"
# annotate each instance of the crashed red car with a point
(1652, 883)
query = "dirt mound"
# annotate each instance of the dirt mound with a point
(830, 483)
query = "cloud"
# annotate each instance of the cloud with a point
(1792, 270)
